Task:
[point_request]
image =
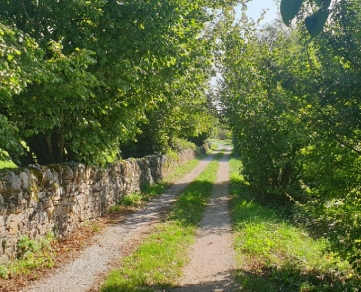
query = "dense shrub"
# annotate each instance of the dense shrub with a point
(294, 109)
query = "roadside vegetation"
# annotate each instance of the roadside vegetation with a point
(36, 257)
(277, 254)
(293, 105)
(227, 142)
(127, 82)
(158, 261)
(32, 255)
(220, 135)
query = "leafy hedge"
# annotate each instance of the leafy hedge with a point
(294, 108)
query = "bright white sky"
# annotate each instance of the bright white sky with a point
(255, 8)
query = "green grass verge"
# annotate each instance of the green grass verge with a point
(159, 260)
(214, 147)
(276, 255)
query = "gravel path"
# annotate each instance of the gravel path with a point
(85, 272)
(212, 256)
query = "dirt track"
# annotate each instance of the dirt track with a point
(86, 272)
(212, 257)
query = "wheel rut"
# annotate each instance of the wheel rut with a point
(212, 257)
(86, 272)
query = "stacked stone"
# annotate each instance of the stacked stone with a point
(60, 198)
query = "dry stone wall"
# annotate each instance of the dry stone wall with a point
(38, 199)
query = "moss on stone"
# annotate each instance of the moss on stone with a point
(57, 167)
(37, 173)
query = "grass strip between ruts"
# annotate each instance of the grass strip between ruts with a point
(274, 253)
(159, 260)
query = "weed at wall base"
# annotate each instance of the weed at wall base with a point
(31, 255)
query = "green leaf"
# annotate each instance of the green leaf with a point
(316, 22)
(289, 9)
(358, 34)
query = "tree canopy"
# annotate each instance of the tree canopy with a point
(294, 108)
(82, 76)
